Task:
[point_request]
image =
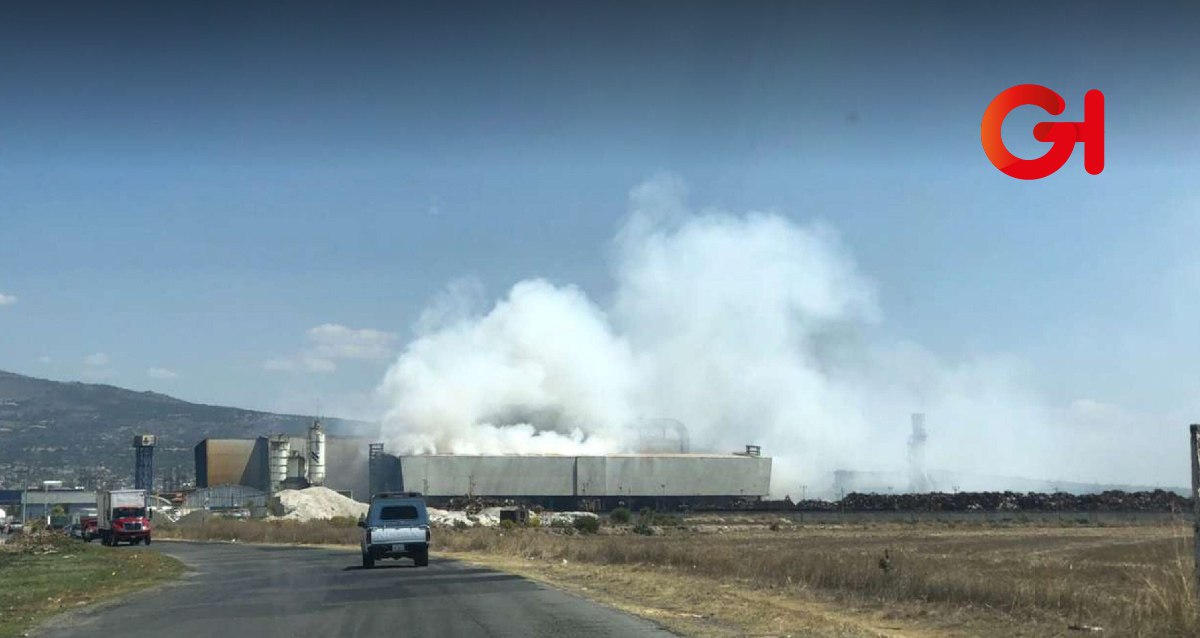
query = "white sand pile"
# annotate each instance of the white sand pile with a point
(489, 517)
(317, 503)
(449, 517)
(566, 519)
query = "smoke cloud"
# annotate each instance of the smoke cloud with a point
(748, 328)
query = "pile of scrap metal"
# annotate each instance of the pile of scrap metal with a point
(1110, 501)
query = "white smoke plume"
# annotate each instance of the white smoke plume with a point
(748, 328)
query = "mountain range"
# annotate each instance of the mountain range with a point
(52, 429)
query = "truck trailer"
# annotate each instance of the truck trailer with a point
(123, 517)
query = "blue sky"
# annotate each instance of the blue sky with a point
(189, 190)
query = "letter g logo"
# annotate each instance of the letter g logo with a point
(1063, 135)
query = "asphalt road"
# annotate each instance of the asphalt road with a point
(292, 592)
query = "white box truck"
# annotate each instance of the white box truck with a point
(123, 517)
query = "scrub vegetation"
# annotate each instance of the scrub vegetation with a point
(336, 531)
(929, 578)
(42, 574)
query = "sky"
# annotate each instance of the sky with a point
(255, 205)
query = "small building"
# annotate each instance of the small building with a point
(10, 502)
(41, 503)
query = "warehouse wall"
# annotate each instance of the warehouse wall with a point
(489, 475)
(232, 462)
(632, 475)
(346, 466)
(675, 475)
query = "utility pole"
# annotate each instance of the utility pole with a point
(1196, 497)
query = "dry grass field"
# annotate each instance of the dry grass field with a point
(757, 575)
(925, 579)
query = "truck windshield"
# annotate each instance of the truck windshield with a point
(129, 512)
(398, 513)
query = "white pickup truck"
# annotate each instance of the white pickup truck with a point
(396, 526)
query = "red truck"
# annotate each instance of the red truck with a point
(123, 517)
(89, 528)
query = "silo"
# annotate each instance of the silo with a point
(316, 454)
(281, 449)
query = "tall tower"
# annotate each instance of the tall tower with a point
(918, 479)
(280, 450)
(143, 462)
(374, 469)
(316, 454)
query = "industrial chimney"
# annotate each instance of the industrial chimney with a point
(918, 480)
(316, 454)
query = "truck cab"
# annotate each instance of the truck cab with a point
(396, 526)
(89, 528)
(123, 517)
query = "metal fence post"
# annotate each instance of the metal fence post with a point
(1196, 500)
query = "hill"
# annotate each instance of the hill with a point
(82, 432)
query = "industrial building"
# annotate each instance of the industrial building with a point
(33, 504)
(359, 468)
(285, 461)
(567, 482)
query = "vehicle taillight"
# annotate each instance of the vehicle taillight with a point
(427, 535)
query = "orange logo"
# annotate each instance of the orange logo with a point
(1062, 135)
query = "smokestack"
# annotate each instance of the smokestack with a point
(316, 454)
(918, 480)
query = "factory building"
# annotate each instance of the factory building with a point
(359, 468)
(568, 482)
(285, 461)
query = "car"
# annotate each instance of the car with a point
(396, 526)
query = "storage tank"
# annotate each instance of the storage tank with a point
(281, 449)
(316, 454)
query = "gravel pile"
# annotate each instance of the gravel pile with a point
(317, 503)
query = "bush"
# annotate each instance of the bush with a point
(460, 524)
(647, 519)
(620, 516)
(533, 521)
(507, 525)
(587, 524)
(667, 520)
